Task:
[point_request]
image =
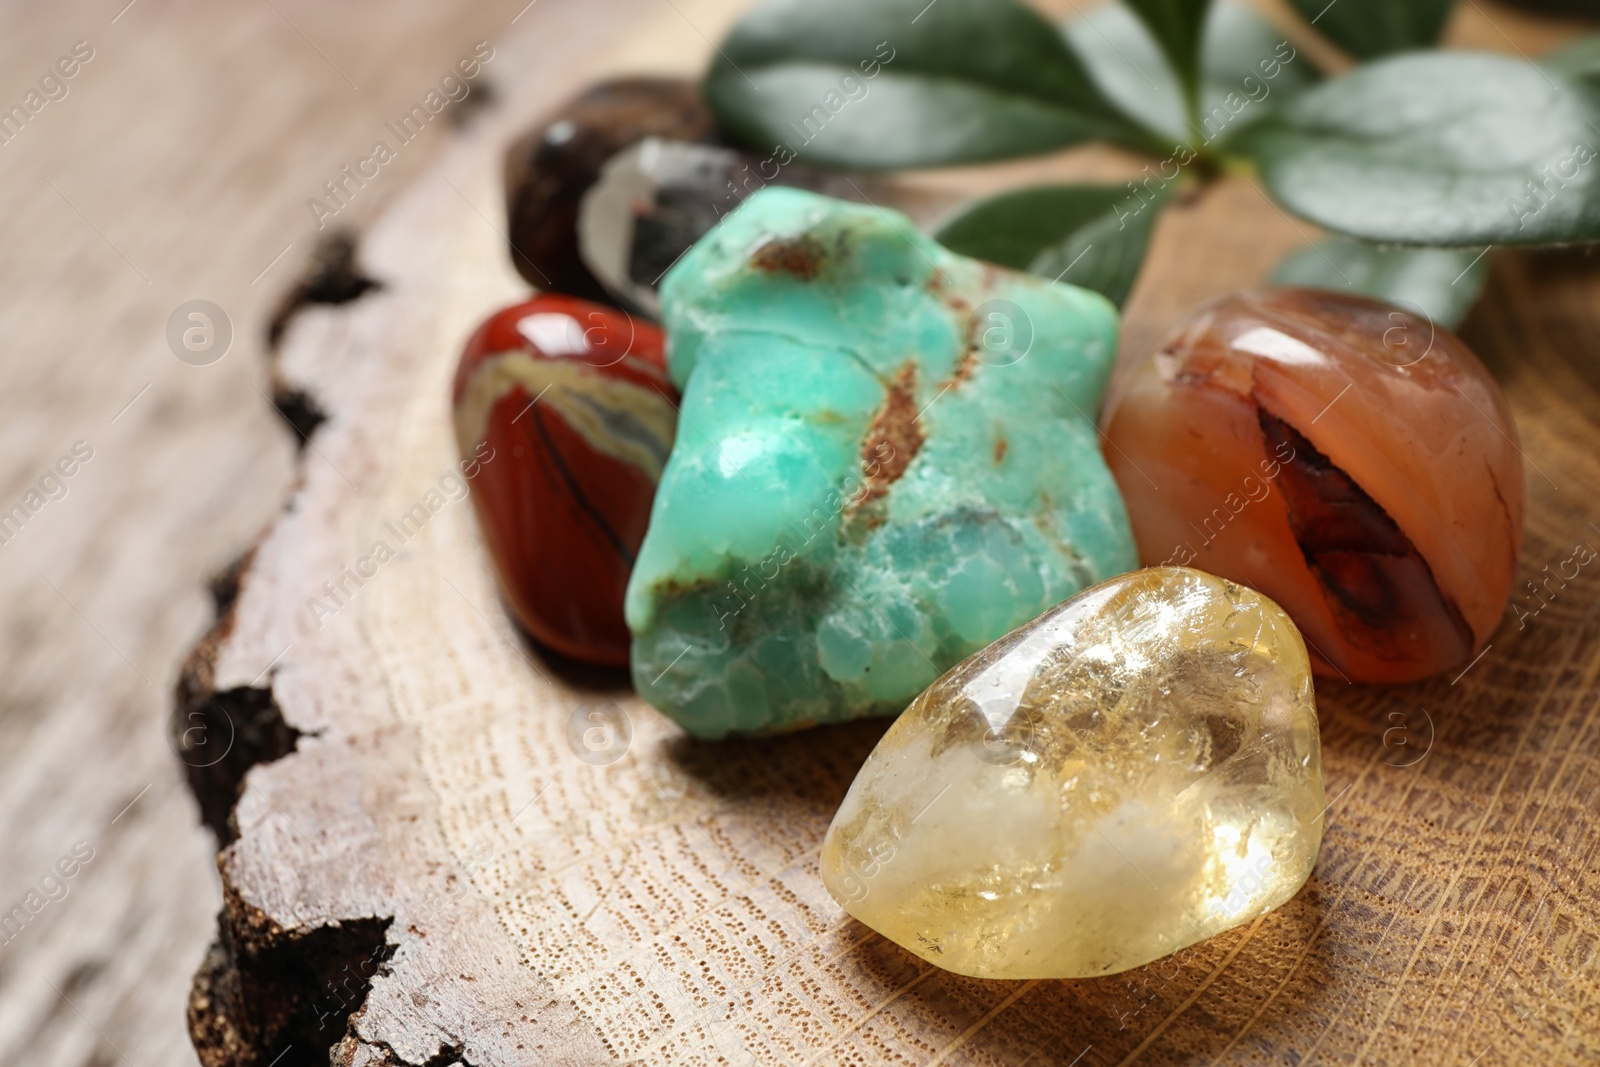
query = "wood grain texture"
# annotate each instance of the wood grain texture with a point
(437, 836)
(177, 166)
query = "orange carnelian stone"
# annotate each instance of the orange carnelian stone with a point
(1351, 461)
(564, 417)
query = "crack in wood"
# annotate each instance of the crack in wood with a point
(269, 997)
(453, 1055)
(220, 735)
(332, 277)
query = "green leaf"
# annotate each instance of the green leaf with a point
(1439, 148)
(1013, 228)
(1580, 59)
(1371, 28)
(904, 83)
(1442, 283)
(1092, 236)
(1242, 55)
(1177, 26)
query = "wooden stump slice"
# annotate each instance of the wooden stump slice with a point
(442, 848)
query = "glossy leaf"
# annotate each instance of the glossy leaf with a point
(1441, 283)
(1368, 29)
(1244, 57)
(1580, 59)
(1093, 236)
(1440, 148)
(901, 83)
(1177, 26)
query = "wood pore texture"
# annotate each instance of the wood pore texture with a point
(422, 870)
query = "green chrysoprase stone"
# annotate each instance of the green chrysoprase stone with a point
(884, 462)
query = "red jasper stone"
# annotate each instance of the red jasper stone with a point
(565, 410)
(1353, 462)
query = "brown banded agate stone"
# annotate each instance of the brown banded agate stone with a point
(564, 417)
(1353, 462)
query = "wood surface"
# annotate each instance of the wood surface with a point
(178, 166)
(428, 874)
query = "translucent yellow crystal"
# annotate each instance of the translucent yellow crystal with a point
(1135, 770)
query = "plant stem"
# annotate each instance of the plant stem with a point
(1191, 100)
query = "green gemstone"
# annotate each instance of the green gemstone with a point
(884, 462)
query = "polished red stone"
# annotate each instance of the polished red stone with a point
(1349, 460)
(564, 417)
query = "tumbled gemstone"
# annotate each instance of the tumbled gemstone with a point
(564, 418)
(1133, 771)
(885, 462)
(656, 198)
(1352, 461)
(551, 167)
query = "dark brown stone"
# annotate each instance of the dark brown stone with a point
(550, 168)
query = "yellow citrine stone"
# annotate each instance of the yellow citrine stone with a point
(1135, 770)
